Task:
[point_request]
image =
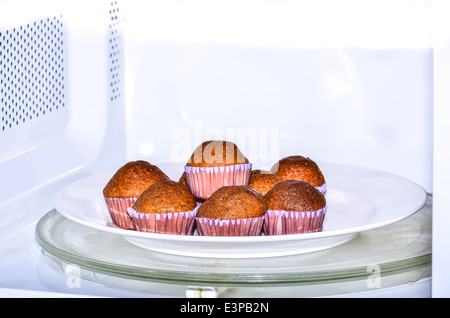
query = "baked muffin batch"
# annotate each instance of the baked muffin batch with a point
(220, 195)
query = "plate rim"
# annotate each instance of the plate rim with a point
(244, 239)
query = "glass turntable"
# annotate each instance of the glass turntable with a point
(399, 252)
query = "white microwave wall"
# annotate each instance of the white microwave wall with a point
(316, 78)
(152, 79)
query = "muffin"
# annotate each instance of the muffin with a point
(215, 164)
(262, 181)
(294, 207)
(302, 169)
(165, 207)
(183, 181)
(126, 185)
(232, 211)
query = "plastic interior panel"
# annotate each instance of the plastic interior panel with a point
(58, 114)
(31, 71)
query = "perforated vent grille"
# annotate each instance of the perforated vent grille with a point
(114, 51)
(31, 71)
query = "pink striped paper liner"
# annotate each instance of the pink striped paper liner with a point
(203, 181)
(322, 188)
(230, 227)
(181, 223)
(278, 222)
(117, 208)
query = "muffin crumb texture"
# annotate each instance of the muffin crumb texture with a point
(132, 179)
(299, 168)
(233, 202)
(263, 181)
(216, 153)
(165, 197)
(294, 195)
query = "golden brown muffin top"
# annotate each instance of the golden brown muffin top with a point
(216, 153)
(183, 180)
(132, 179)
(294, 195)
(233, 202)
(165, 196)
(299, 168)
(263, 181)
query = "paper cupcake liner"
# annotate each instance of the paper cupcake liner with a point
(322, 188)
(277, 222)
(117, 208)
(203, 181)
(231, 227)
(181, 223)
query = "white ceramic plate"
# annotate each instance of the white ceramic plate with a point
(358, 199)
